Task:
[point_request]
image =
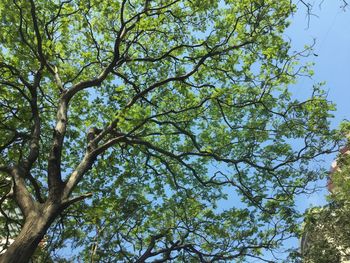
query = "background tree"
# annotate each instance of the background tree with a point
(326, 234)
(154, 111)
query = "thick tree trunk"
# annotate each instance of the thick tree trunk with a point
(33, 231)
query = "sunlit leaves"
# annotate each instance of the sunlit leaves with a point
(193, 99)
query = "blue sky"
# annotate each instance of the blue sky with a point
(330, 28)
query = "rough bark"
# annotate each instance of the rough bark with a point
(33, 231)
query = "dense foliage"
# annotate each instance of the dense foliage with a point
(125, 125)
(326, 234)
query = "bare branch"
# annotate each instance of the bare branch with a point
(67, 203)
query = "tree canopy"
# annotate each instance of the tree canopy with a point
(326, 234)
(125, 124)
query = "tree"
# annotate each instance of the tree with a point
(326, 233)
(125, 123)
